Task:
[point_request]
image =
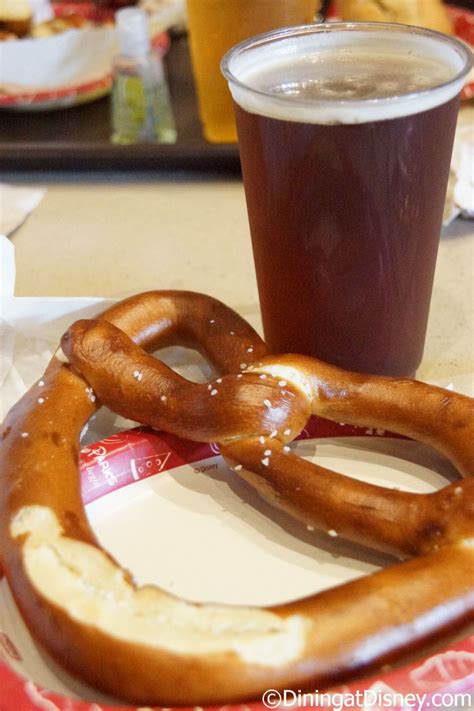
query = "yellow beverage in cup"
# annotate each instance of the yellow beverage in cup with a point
(214, 27)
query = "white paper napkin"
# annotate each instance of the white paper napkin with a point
(16, 203)
(460, 196)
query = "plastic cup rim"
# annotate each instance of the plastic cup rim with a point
(318, 28)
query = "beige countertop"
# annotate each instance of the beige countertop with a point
(109, 237)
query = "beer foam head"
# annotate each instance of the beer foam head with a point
(346, 72)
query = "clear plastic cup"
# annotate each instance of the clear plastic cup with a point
(345, 135)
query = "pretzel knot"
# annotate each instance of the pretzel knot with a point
(149, 647)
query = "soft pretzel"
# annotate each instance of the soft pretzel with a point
(143, 644)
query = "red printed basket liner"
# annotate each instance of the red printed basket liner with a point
(136, 454)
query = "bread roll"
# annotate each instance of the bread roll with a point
(15, 17)
(424, 13)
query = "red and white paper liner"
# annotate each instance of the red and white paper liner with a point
(127, 457)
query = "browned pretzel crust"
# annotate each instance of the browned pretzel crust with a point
(149, 647)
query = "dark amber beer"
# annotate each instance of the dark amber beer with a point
(345, 135)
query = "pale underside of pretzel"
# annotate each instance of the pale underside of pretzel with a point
(147, 646)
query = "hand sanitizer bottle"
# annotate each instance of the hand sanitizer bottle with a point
(141, 108)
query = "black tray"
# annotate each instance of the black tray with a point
(78, 138)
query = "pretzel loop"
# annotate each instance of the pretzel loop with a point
(149, 647)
